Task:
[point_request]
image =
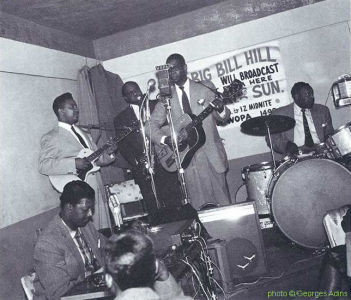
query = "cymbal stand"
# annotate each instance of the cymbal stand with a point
(145, 111)
(270, 145)
(176, 151)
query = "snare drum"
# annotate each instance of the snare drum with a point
(339, 143)
(257, 178)
(302, 191)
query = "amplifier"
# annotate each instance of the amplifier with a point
(241, 255)
(168, 237)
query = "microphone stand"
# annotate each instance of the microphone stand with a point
(176, 151)
(147, 146)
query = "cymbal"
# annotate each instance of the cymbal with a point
(258, 125)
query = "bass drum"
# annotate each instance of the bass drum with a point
(302, 192)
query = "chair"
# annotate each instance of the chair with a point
(27, 280)
(27, 284)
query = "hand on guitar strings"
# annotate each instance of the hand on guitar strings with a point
(83, 164)
(181, 139)
(112, 146)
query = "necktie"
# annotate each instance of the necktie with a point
(308, 137)
(79, 137)
(185, 101)
(90, 261)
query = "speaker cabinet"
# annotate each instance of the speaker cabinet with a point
(240, 254)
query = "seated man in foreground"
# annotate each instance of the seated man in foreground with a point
(133, 271)
(70, 248)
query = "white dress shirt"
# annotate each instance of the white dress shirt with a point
(299, 131)
(136, 110)
(68, 128)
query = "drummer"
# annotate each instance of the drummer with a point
(313, 123)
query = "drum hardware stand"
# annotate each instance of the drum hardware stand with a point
(176, 155)
(147, 145)
(271, 146)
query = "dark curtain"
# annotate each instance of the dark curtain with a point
(100, 94)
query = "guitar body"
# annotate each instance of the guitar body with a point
(59, 181)
(195, 139)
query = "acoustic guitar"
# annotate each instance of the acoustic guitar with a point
(59, 181)
(195, 135)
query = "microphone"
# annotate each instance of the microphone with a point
(151, 84)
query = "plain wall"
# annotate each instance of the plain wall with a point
(27, 93)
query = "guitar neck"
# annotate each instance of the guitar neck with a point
(202, 116)
(102, 149)
(97, 153)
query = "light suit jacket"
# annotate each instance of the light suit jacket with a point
(59, 149)
(57, 261)
(213, 146)
(321, 119)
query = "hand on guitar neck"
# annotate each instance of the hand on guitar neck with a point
(218, 105)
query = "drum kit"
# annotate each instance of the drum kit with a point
(297, 191)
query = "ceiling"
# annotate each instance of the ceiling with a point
(93, 19)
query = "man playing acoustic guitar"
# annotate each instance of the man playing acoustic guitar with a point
(205, 174)
(60, 148)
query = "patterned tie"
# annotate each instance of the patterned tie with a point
(308, 137)
(185, 101)
(79, 137)
(90, 261)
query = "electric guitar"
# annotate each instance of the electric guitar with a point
(59, 181)
(195, 135)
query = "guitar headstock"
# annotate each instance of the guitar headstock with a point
(233, 92)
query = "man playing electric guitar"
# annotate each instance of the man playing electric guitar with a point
(205, 174)
(61, 146)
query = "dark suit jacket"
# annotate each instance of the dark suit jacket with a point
(57, 261)
(131, 147)
(321, 119)
(213, 146)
